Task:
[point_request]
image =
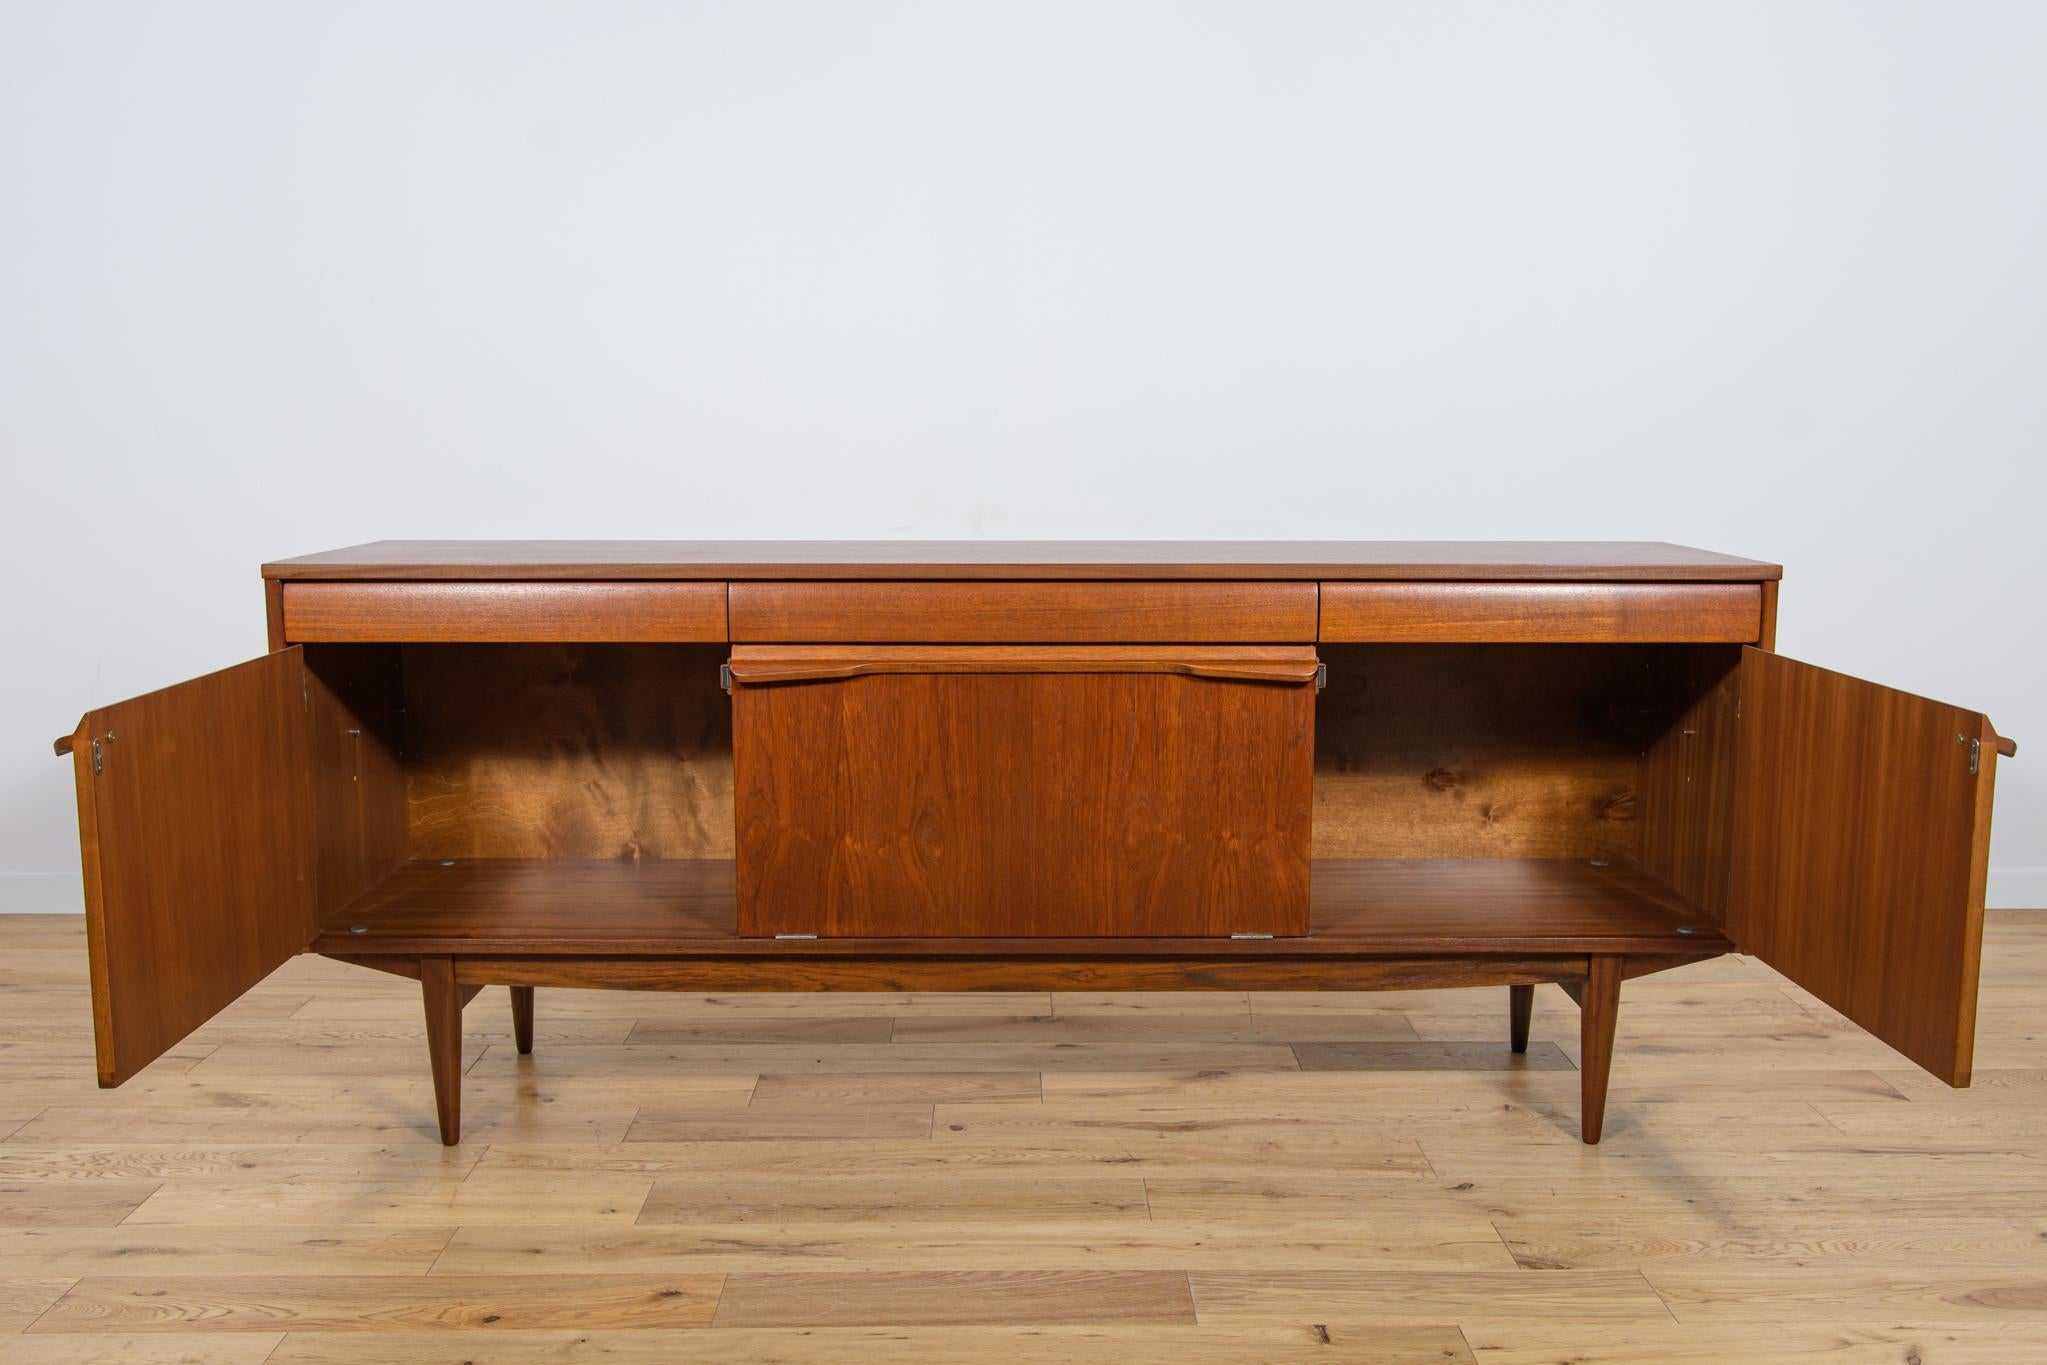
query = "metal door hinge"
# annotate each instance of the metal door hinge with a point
(725, 677)
(98, 756)
(789, 936)
(1975, 756)
(1250, 935)
(1321, 676)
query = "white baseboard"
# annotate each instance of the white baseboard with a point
(2011, 888)
(50, 894)
(2017, 888)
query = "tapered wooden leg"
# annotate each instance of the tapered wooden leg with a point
(1599, 1004)
(1520, 1004)
(444, 1041)
(522, 1018)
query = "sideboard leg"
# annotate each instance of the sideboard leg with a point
(522, 1018)
(1520, 1004)
(444, 1041)
(1599, 1005)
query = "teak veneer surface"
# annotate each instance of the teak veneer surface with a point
(488, 612)
(1579, 560)
(1028, 804)
(1543, 613)
(1023, 612)
(689, 906)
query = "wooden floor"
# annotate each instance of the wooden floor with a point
(1021, 1178)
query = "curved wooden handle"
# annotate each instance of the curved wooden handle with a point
(2007, 748)
(64, 744)
(822, 670)
(762, 665)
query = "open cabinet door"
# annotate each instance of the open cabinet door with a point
(194, 822)
(1861, 833)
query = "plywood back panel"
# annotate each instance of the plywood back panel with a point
(1687, 803)
(1482, 751)
(567, 751)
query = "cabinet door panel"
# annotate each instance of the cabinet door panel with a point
(194, 823)
(1036, 793)
(1860, 840)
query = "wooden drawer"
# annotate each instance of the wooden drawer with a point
(1027, 791)
(583, 613)
(1023, 613)
(1546, 613)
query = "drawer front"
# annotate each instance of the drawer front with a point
(583, 613)
(1545, 613)
(1023, 613)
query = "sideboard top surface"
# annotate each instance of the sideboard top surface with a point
(1526, 560)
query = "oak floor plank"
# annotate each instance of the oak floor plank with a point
(1009, 1200)
(159, 1250)
(1392, 1237)
(645, 1059)
(120, 1163)
(1428, 1056)
(1462, 1296)
(489, 1197)
(188, 1348)
(770, 1122)
(71, 1204)
(1774, 1186)
(24, 1298)
(780, 1028)
(934, 1087)
(1149, 1344)
(940, 1298)
(390, 1303)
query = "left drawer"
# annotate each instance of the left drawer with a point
(472, 612)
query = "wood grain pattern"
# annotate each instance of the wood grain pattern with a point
(484, 612)
(1599, 999)
(1014, 973)
(1860, 845)
(354, 737)
(1900, 1224)
(380, 1303)
(196, 838)
(1361, 907)
(1023, 612)
(1042, 805)
(543, 560)
(1541, 613)
(1483, 751)
(813, 663)
(567, 751)
(953, 1297)
(1688, 773)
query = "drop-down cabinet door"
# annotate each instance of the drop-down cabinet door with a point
(1861, 833)
(195, 822)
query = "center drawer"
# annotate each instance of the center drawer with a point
(1023, 613)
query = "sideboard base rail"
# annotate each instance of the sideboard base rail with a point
(449, 982)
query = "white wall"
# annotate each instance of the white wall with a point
(1764, 278)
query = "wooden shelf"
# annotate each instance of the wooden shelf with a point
(1360, 907)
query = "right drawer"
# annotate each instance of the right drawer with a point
(1542, 613)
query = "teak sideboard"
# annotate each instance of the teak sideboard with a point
(917, 766)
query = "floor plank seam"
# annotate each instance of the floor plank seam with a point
(1650, 1285)
(50, 1307)
(435, 1263)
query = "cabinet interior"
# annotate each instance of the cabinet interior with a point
(1430, 760)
